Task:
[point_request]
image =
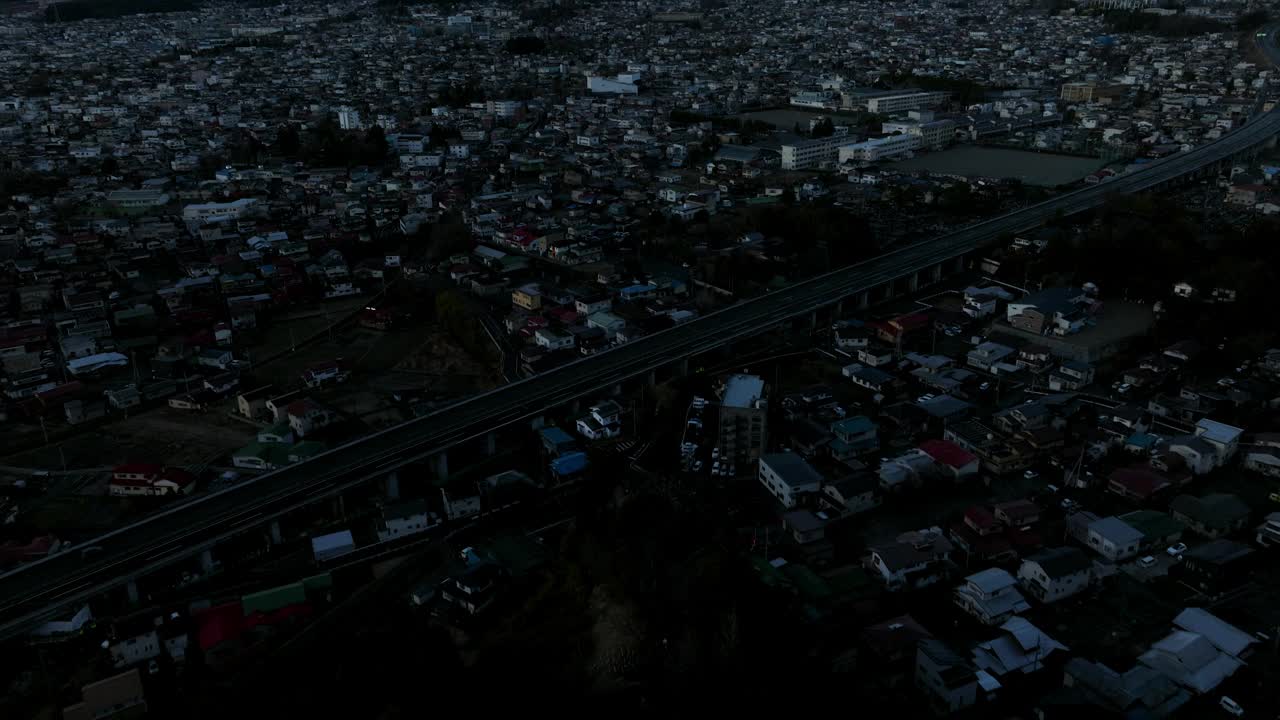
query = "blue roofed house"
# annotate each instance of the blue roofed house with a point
(854, 436)
(1223, 438)
(876, 381)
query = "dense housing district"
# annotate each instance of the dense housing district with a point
(236, 236)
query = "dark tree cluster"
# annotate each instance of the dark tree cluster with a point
(86, 9)
(525, 45)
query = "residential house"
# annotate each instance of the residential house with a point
(853, 437)
(914, 560)
(401, 519)
(1137, 693)
(1054, 574)
(788, 477)
(1223, 438)
(1020, 648)
(805, 526)
(1071, 375)
(602, 421)
(852, 494)
(991, 596)
(1113, 539)
(117, 696)
(1058, 310)
(1217, 567)
(1212, 516)
(987, 356)
(1137, 483)
(308, 417)
(1194, 660)
(553, 338)
(955, 462)
(1268, 533)
(136, 650)
(949, 681)
(1017, 513)
(253, 403)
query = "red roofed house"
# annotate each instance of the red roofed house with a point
(953, 459)
(307, 416)
(1017, 513)
(150, 479)
(900, 327)
(1137, 483)
(134, 478)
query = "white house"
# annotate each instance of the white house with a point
(1055, 573)
(787, 476)
(306, 416)
(603, 421)
(136, 650)
(553, 338)
(1114, 539)
(914, 559)
(1224, 438)
(404, 519)
(991, 596)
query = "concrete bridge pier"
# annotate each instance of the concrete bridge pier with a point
(651, 378)
(491, 443)
(392, 483)
(683, 367)
(913, 282)
(838, 310)
(935, 273)
(864, 300)
(575, 407)
(340, 506)
(441, 464)
(131, 588)
(277, 537)
(206, 561)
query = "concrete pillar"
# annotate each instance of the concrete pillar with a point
(393, 485)
(838, 310)
(131, 588)
(441, 463)
(913, 282)
(537, 422)
(936, 270)
(864, 300)
(491, 443)
(651, 378)
(575, 407)
(276, 536)
(206, 561)
(813, 319)
(960, 264)
(683, 366)
(617, 390)
(340, 506)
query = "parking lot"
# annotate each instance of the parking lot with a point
(1163, 563)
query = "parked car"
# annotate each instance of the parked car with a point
(1147, 562)
(1176, 549)
(1031, 475)
(1231, 706)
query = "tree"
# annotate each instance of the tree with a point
(525, 45)
(288, 141)
(110, 166)
(824, 128)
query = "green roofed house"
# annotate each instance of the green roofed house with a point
(278, 433)
(305, 450)
(261, 456)
(1158, 529)
(271, 600)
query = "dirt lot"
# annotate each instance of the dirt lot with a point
(164, 436)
